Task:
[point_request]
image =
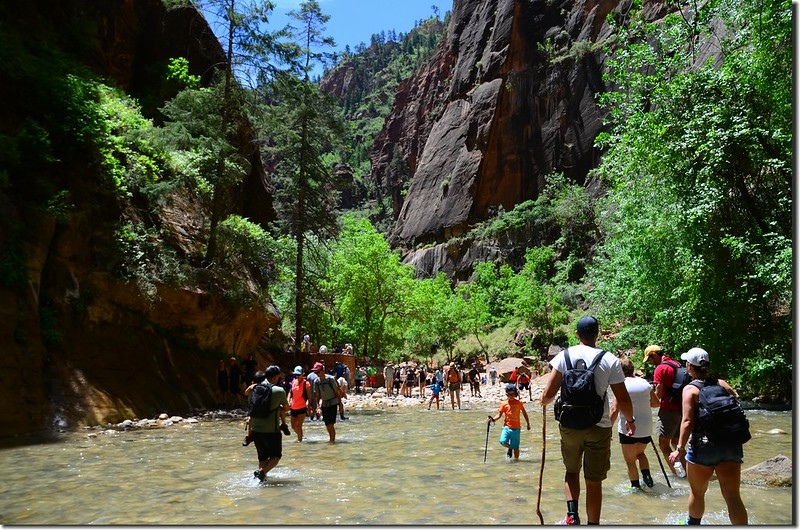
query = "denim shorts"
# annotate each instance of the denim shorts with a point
(712, 455)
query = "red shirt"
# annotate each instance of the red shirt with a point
(665, 375)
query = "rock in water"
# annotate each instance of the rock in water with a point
(777, 471)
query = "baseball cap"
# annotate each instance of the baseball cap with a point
(511, 387)
(272, 370)
(696, 357)
(318, 367)
(588, 325)
(651, 350)
(298, 370)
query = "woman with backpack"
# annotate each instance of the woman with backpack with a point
(710, 452)
(299, 397)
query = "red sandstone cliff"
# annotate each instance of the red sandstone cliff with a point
(78, 345)
(491, 115)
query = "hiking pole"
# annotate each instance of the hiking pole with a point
(541, 469)
(486, 450)
(659, 462)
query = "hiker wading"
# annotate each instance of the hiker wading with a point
(706, 457)
(266, 431)
(591, 446)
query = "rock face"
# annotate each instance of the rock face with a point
(492, 114)
(79, 346)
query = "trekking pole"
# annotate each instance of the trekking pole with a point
(541, 469)
(659, 462)
(486, 450)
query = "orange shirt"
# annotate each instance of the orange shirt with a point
(297, 401)
(511, 409)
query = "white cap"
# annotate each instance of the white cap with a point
(696, 357)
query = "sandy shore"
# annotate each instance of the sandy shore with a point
(491, 396)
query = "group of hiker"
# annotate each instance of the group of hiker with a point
(317, 394)
(709, 437)
(693, 433)
(687, 399)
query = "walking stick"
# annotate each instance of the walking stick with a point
(486, 450)
(541, 470)
(659, 462)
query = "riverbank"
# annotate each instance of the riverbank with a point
(368, 399)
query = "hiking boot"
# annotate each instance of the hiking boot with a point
(247, 440)
(572, 519)
(260, 474)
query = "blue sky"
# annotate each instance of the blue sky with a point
(355, 21)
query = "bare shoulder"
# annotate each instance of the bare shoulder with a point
(724, 384)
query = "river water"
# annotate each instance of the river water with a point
(397, 466)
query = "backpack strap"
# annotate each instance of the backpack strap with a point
(566, 358)
(597, 360)
(674, 366)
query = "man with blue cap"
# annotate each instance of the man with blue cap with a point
(590, 447)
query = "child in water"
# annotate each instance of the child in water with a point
(436, 389)
(511, 408)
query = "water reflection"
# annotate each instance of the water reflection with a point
(402, 466)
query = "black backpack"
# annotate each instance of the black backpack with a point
(259, 401)
(579, 406)
(720, 415)
(682, 378)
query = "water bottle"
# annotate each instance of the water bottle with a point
(679, 469)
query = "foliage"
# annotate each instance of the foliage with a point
(434, 318)
(246, 245)
(372, 287)
(304, 130)
(536, 299)
(698, 220)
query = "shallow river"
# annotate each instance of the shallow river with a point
(399, 466)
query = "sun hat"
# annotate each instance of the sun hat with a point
(318, 367)
(298, 370)
(696, 357)
(651, 350)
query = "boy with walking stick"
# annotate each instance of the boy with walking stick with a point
(511, 408)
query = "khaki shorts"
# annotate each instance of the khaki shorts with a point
(588, 448)
(668, 424)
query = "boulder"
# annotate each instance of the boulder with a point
(777, 471)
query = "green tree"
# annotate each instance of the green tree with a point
(536, 299)
(205, 123)
(698, 231)
(434, 318)
(303, 129)
(372, 285)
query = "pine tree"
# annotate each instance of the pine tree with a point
(306, 129)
